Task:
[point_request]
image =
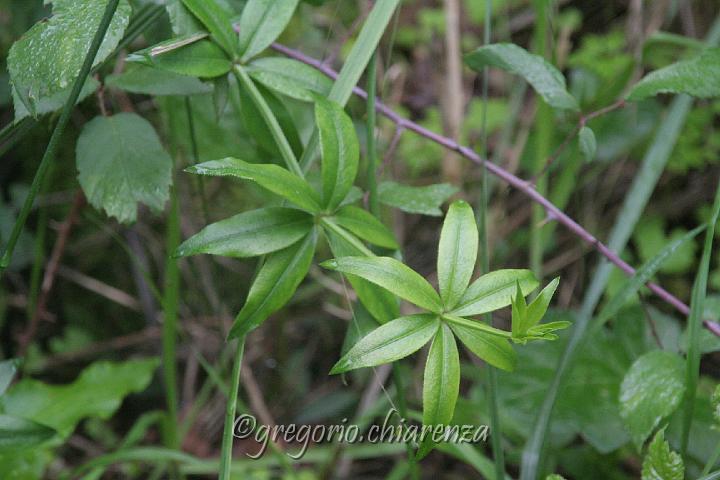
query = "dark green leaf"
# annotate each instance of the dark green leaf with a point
(392, 275)
(275, 284)
(363, 224)
(441, 384)
(290, 77)
(121, 162)
(262, 21)
(587, 143)
(272, 177)
(217, 21)
(394, 340)
(493, 291)
(699, 77)
(651, 390)
(340, 151)
(8, 369)
(250, 233)
(18, 433)
(661, 463)
(191, 55)
(494, 350)
(422, 200)
(221, 95)
(182, 21)
(48, 57)
(547, 80)
(457, 253)
(139, 78)
(53, 102)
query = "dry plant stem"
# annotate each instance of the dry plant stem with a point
(553, 212)
(453, 92)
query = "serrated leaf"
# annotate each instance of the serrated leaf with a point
(457, 252)
(547, 80)
(250, 234)
(363, 224)
(275, 284)
(262, 21)
(290, 78)
(389, 342)
(587, 143)
(18, 433)
(152, 81)
(121, 163)
(393, 276)
(493, 291)
(494, 350)
(651, 390)
(217, 21)
(661, 463)
(191, 55)
(271, 177)
(8, 369)
(97, 393)
(441, 384)
(48, 57)
(340, 151)
(698, 77)
(423, 200)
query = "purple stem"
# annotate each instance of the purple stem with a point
(524, 186)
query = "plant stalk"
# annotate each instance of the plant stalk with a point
(228, 429)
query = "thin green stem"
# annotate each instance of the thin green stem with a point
(196, 158)
(272, 123)
(51, 149)
(403, 411)
(228, 429)
(372, 159)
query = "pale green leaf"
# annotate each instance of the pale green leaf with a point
(250, 234)
(423, 200)
(651, 390)
(217, 21)
(457, 252)
(537, 308)
(290, 78)
(587, 143)
(494, 350)
(8, 369)
(138, 78)
(392, 275)
(18, 433)
(262, 21)
(363, 224)
(661, 463)
(389, 342)
(493, 291)
(547, 80)
(275, 284)
(121, 163)
(271, 177)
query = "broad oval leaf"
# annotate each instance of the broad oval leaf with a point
(121, 163)
(392, 275)
(271, 177)
(457, 252)
(262, 21)
(340, 152)
(249, 234)
(217, 21)
(587, 143)
(139, 78)
(651, 390)
(661, 463)
(394, 340)
(496, 351)
(275, 284)
(547, 80)
(48, 57)
(191, 55)
(698, 77)
(19, 433)
(363, 224)
(493, 291)
(441, 384)
(422, 200)
(290, 78)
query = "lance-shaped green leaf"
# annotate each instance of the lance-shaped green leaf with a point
(217, 21)
(457, 252)
(182, 21)
(290, 78)
(8, 369)
(19, 433)
(423, 200)
(661, 463)
(537, 308)
(262, 21)
(249, 234)
(275, 284)
(394, 340)
(698, 77)
(340, 151)
(526, 318)
(381, 304)
(363, 224)
(49, 56)
(393, 276)
(547, 80)
(651, 390)
(139, 78)
(441, 384)
(495, 350)
(271, 177)
(493, 291)
(191, 55)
